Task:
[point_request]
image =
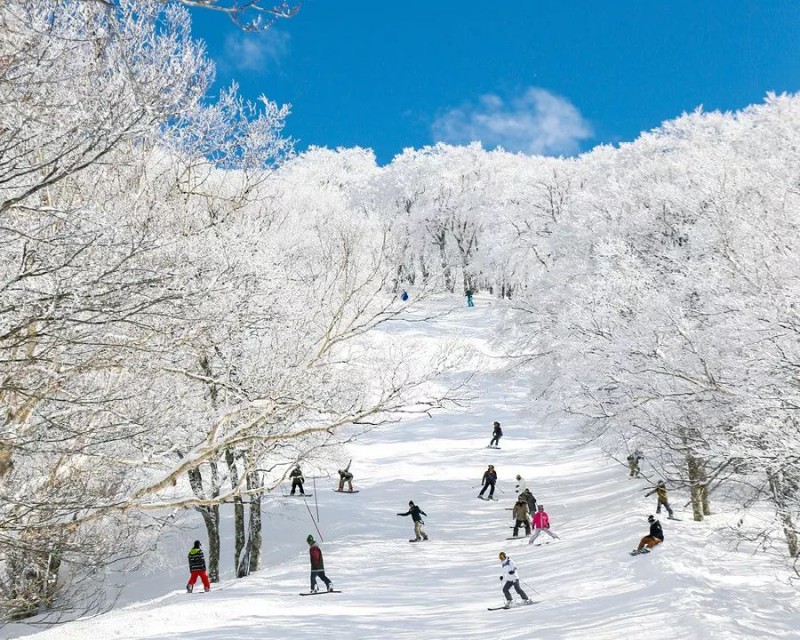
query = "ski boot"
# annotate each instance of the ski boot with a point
(330, 587)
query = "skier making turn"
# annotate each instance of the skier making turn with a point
(489, 480)
(541, 522)
(511, 579)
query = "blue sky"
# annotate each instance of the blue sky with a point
(537, 76)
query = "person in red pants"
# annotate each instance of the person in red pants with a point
(197, 568)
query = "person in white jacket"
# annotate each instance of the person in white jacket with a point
(521, 484)
(511, 579)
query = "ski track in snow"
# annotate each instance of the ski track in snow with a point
(589, 587)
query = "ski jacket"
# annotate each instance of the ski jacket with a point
(489, 476)
(345, 475)
(522, 486)
(656, 531)
(414, 512)
(316, 558)
(521, 511)
(530, 499)
(497, 432)
(660, 491)
(509, 570)
(541, 520)
(297, 476)
(197, 561)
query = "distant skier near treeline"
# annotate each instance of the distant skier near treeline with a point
(522, 516)
(317, 565)
(661, 491)
(297, 480)
(511, 579)
(489, 479)
(197, 568)
(633, 463)
(469, 292)
(497, 433)
(656, 536)
(541, 522)
(416, 515)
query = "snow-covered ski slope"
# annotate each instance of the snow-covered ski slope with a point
(588, 584)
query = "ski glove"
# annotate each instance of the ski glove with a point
(501, 577)
(512, 572)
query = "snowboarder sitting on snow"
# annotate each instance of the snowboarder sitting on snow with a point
(661, 491)
(511, 580)
(521, 515)
(297, 480)
(530, 499)
(346, 476)
(633, 463)
(497, 433)
(317, 565)
(489, 479)
(197, 568)
(414, 511)
(541, 522)
(656, 536)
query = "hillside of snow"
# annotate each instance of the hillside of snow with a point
(586, 584)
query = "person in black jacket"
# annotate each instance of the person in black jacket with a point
(297, 480)
(414, 511)
(489, 479)
(656, 536)
(497, 433)
(197, 568)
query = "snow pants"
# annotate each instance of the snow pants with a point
(419, 531)
(295, 484)
(536, 533)
(349, 482)
(665, 504)
(199, 574)
(517, 588)
(319, 573)
(495, 441)
(649, 542)
(522, 523)
(490, 486)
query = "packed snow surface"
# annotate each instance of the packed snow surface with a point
(586, 584)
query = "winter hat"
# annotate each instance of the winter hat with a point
(310, 539)
(651, 518)
(519, 477)
(196, 544)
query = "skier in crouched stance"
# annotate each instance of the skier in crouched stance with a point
(511, 579)
(656, 536)
(317, 565)
(197, 568)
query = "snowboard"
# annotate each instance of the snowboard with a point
(513, 606)
(337, 491)
(298, 495)
(491, 447)
(415, 540)
(675, 519)
(319, 593)
(636, 552)
(517, 538)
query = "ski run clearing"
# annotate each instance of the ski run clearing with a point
(586, 584)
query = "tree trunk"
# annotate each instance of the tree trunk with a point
(698, 487)
(211, 520)
(254, 481)
(238, 509)
(780, 493)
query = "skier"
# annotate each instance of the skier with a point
(656, 536)
(489, 479)
(197, 568)
(469, 292)
(521, 485)
(633, 463)
(530, 499)
(317, 565)
(346, 476)
(414, 511)
(521, 515)
(497, 433)
(541, 522)
(661, 491)
(297, 480)
(511, 580)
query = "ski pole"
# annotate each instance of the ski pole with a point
(530, 587)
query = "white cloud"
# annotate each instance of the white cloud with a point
(256, 51)
(535, 122)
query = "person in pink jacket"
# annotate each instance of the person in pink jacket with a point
(541, 522)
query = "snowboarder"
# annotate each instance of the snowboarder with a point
(541, 522)
(469, 292)
(197, 568)
(511, 580)
(521, 484)
(522, 516)
(530, 499)
(661, 492)
(297, 480)
(346, 476)
(414, 511)
(489, 479)
(497, 433)
(317, 565)
(633, 463)
(656, 536)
